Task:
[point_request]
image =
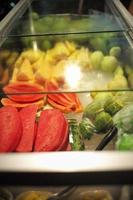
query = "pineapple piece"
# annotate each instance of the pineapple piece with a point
(49, 57)
(43, 73)
(60, 51)
(32, 55)
(18, 62)
(70, 46)
(58, 71)
(82, 57)
(36, 65)
(25, 72)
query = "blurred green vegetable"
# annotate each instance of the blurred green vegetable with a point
(96, 59)
(93, 109)
(109, 64)
(125, 97)
(86, 128)
(125, 142)
(104, 98)
(103, 122)
(113, 107)
(75, 137)
(115, 51)
(124, 119)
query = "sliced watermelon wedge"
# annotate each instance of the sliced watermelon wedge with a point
(28, 116)
(51, 129)
(10, 129)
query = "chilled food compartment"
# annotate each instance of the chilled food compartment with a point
(68, 193)
(74, 94)
(68, 17)
(72, 62)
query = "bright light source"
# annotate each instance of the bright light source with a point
(73, 75)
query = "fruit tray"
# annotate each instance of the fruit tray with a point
(68, 96)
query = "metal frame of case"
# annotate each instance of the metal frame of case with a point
(65, 167)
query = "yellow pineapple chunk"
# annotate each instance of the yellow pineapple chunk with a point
(36, 65)
(82, 57)
(49, 57)
(18, 62)
(32, 55)
(58, 71)
(25, 72)
(60, 51)
(43, 73)
(71, 46)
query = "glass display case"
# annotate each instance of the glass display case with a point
(66, 91)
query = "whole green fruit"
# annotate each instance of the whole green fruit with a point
(92, 110)
(113, 107)
(86, 128)
(109, 64)
(96, 59)
(115, 51)
(103, 121)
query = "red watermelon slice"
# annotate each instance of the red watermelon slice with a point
(28, 116)
(10, 129)
(50, 134)
(63, 145)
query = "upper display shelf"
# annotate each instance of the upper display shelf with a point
(75, 62)
(68, 16)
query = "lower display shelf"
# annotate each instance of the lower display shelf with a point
(76, 193)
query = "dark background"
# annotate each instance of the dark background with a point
(7, 5)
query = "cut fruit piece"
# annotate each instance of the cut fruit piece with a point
(52, 130)
(10, 129)
(25, 72)
(58, 106)
(32, 55)
(43, 73)
(65, 140)
(66, 102)
(26, 92)
(28, 116)
(9, 102)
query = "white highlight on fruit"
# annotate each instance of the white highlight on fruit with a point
(73, 75)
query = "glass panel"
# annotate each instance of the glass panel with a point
(68, 16)
(73, 62)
